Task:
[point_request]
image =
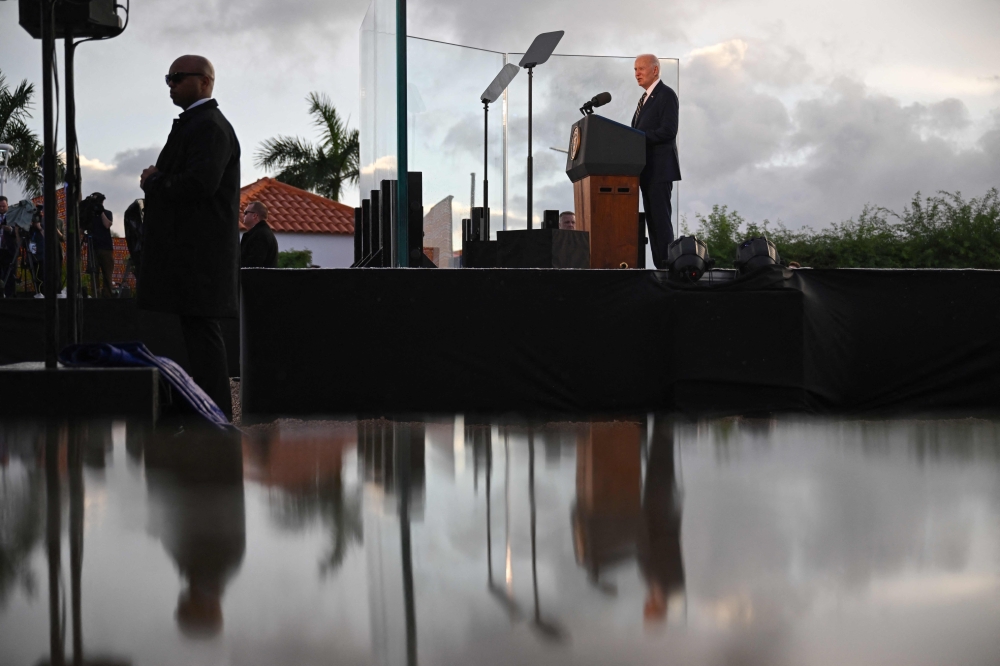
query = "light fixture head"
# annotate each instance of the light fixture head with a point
(688, 259)
(753, 253)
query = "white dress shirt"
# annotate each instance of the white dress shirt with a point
(202, 101)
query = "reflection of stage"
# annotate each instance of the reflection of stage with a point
(357, 340)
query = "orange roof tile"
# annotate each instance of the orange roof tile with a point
(291, 210)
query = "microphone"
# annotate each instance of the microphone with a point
(598, 100)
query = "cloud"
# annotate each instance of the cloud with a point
(820, 158)
(260, 17)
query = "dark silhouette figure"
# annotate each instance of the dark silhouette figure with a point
(195, 485)
(659, 539)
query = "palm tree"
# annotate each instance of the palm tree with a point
(15, 108)
(322, 168)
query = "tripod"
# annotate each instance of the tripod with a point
(91, 264)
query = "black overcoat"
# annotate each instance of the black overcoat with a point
(191, 244)
(658, 119)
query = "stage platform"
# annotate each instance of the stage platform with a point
(376, 341)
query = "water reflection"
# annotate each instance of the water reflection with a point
(196, 510)
(305, 471)
(502, 540)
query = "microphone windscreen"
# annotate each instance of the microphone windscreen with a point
(601, 99)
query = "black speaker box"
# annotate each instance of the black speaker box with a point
(543, 248)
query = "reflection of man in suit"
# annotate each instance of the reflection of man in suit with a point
(660, 557)
(656, 115)
(195, 485)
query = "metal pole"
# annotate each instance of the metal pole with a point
(403, 463)
(402, 161)
(72, 200)
(52, 267)
(505, 151)
(76, 516)
(53, 528)
(531, 187)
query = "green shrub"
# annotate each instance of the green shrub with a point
(295, 259)
(942, 231)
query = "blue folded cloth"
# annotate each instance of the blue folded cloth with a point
(135, 355)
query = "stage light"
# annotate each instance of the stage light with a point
(753, 253)
(688, 259)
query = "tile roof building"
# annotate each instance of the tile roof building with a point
(302, 220)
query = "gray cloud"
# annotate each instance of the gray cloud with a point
(259, 17)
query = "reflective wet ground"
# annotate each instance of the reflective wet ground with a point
(497, 541)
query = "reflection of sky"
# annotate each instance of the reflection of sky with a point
(804, 542)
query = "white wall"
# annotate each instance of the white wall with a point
(328, 250)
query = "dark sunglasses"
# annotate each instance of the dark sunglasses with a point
(177, 77)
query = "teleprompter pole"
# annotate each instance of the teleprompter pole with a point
(402, 163)
(531, 184)
(73, 324)
(52, 266)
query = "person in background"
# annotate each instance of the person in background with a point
(9, 242)
(567, 220)
(258, 247)
(99, 227)
(190, 253)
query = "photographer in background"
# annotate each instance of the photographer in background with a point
(36, 252)
(9, 243)
(97, 221)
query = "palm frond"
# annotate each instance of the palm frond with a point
(282, 151)
(321, 167)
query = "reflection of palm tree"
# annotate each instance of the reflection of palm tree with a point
(322, 168)
(20, 529)
(327, 502)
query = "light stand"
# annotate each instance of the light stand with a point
(49, 187)
(539, 51)
(48, 20)
(73, 323)
(490, 95)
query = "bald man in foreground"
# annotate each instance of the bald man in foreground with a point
(191, 246)
(656, 115)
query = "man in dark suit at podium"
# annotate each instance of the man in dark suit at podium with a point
(656, 115)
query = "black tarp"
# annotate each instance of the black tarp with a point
(396, 340)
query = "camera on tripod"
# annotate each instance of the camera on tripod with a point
(90, 208)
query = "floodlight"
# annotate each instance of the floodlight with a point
(688, 259)
(753, 253)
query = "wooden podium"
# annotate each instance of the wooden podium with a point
(604, 162)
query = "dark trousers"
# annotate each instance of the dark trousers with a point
(106, 265)
(656, 203)
(7, 261)
(207, 358)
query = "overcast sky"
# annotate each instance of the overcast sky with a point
(793, 111)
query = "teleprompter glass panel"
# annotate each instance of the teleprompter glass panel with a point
(378, 95)
(445, 130)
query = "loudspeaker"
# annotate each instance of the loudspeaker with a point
(550, 219)
(358, 226)
(85, 18)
